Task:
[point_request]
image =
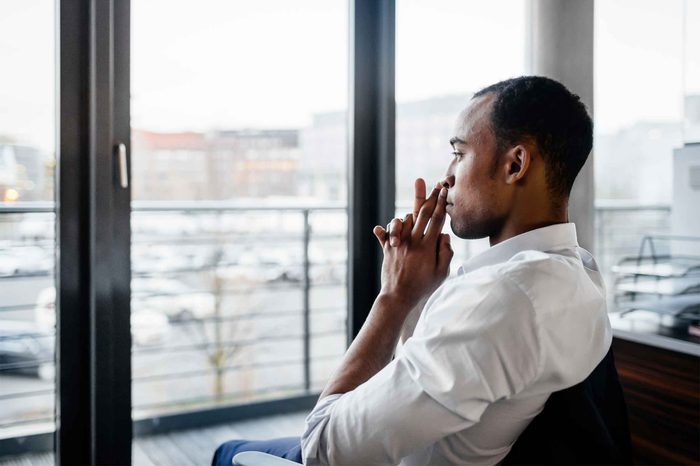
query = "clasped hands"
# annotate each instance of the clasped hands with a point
(417, 254)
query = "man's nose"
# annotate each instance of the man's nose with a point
(448, 180)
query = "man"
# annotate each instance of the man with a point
(518, 322)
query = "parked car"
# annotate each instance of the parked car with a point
(9, 264)
(172, 297)
(26, 350)
(32, 259)
(148, 326)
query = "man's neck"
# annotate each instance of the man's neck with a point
(515, 228)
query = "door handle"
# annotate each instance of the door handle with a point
(122, 166)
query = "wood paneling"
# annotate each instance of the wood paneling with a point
(662, 391)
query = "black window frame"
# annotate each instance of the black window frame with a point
(93, 386)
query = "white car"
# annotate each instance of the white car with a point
(9, 264)
(173, 298)
(32, 259)
(148, 326)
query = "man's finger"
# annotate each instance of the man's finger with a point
(419, 199)
(395, 227)
(406, 227)
(426, 211)
(445, 253)
(380, 233)
(438, 218)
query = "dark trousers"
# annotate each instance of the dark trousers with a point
(287, 447)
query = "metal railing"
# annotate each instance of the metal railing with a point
(213, 228)
(620, 228)
(218, 228)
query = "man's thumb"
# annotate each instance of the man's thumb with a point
(445, 252)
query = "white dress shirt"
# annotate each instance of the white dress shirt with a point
(521, 320)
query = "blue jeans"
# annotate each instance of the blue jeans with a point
(287, 447)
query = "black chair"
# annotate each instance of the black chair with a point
(583, 424)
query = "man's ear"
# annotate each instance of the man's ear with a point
(516, 163)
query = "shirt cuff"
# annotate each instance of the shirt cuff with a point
(311, 439)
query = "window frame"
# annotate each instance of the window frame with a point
(93, 234)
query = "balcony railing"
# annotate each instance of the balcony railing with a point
(620, 228)
(231, 303)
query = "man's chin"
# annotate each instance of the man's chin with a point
(456, 229)
(466, 232)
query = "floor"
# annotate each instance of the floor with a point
(188, 447)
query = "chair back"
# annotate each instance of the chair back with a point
(583, 424)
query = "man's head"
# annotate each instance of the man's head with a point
(518, 147)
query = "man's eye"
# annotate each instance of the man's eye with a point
(457, 154)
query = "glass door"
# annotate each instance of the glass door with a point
(239, 212)
(27, 222)
(64, 262)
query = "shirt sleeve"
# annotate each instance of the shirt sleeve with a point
(476, 344)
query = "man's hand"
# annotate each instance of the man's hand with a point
(421, 262)
(395, 227)
(409, 271)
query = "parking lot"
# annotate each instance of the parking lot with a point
(263, 347)
(215, 318)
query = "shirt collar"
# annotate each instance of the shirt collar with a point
(549, 238)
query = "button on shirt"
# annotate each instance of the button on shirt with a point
(523, 319)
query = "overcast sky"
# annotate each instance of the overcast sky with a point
(264, 63)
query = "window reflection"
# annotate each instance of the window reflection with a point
(239, 216)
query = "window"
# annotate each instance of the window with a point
(239, 186)
(27, 240)
(648, 242)
(638, 122)
(691, 72)
(446, 51)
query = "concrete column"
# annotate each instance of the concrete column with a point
(560, 42)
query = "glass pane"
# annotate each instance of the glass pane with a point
(447, 50)
(638, 124)
(691, 70)
(27, 294)
(239, 215)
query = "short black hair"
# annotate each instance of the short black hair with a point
(546, 111)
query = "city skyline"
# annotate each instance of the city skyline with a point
(297, 163)
(189, 72)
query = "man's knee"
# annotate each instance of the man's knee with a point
(287, 447)
(223, 455)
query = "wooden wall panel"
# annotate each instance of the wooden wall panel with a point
(662, 391)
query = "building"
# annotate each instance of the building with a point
(214, 166)
(26, 173)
